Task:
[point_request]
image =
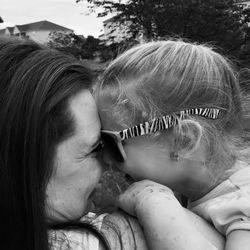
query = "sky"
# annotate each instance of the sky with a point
(67, 13)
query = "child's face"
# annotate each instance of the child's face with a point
(147, 157)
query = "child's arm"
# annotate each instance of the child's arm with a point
(165, 222)
(238, 239)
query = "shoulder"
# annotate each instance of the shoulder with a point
(80, 239)
(84, 235)
(120, 230)
(123, 232)
(228, 205)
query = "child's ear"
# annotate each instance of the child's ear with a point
(187, 138)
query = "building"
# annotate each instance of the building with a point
(8, 31)
(38, 31)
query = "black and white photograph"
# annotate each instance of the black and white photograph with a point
(125, 124)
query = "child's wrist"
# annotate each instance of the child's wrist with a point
(153, 204)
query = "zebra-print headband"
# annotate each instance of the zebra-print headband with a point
(166, 122)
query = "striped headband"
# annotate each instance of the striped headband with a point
(167, 121)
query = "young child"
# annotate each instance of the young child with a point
(171, 112)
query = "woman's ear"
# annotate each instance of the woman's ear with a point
(187, 138)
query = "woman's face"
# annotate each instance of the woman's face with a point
(77, 169)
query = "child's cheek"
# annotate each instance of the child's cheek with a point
(136, 168)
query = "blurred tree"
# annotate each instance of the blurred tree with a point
(111, 50)
(221, 22)
(80, 47)
(90, 47)
(66, 42)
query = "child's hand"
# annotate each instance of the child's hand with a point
(145, 195)
(166, 224)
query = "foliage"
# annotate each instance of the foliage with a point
(80, 47)
(66, 42)
(86, 48)
(90, 47)
(220, 22)
(109, 51)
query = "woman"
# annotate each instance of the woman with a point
(49, 151)
(46, 109)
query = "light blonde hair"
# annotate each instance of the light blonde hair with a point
(159, 78)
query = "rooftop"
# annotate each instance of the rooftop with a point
(42, 25)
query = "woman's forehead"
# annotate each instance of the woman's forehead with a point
(85, 115)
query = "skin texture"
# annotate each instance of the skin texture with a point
(77, 169)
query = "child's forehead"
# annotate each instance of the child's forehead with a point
(120, 113)
(111, 118)
(116, 119)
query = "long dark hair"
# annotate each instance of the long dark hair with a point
(35, 86)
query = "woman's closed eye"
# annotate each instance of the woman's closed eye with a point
(97, 148)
